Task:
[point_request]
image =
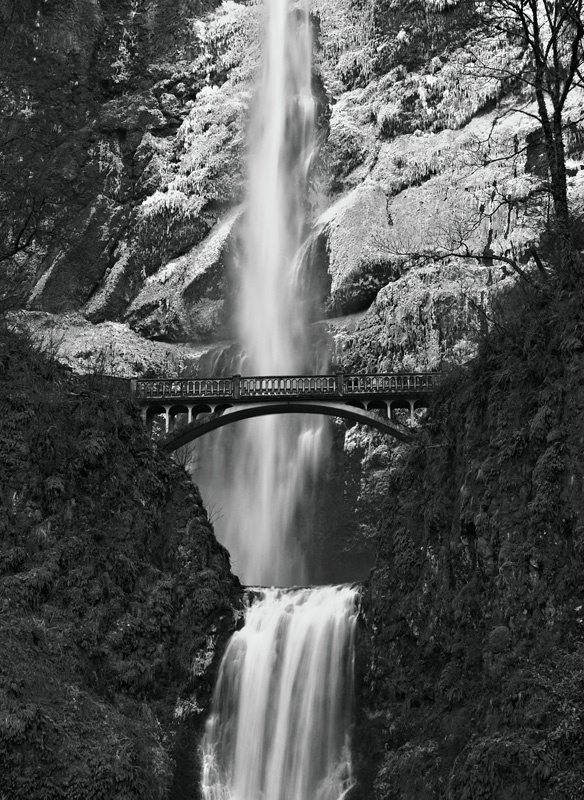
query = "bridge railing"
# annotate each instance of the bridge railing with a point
(292, 386)
(156, 389)
(239, 388)
(396, 383)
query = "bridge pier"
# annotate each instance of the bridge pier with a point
(407, 404)
(412, 405)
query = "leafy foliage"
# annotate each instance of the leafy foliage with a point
(475, 603)
(111, 584)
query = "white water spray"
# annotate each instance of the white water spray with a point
(280, 719)
(260, 470)
(272, 328)
(279, 727)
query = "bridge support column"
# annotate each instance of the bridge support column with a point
(189, 414)
(167, 419)
(400, 405)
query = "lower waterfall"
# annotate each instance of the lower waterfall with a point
(280, 720)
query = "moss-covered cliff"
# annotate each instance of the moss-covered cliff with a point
(115, 596)
(474, 684)
(131, 118)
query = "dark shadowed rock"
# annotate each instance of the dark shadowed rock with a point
(115, 617)
(76, 271)
(138, 113)
(499, 639)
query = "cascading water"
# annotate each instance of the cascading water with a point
(278, 727)
(259, 471)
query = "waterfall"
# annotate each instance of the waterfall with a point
(257, 473)
(279, 725)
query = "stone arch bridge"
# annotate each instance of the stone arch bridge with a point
(205, 404)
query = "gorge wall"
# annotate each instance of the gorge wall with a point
(127, 212)
(473, 681)
(116, 599)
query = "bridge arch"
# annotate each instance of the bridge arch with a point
(173, 440)
(210, 403)
(153, 411)
(170, 413)
(377, 405)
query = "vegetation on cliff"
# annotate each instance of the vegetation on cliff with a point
(474, 688)
(114, 593)
(131, 118)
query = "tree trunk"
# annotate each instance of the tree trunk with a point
(556, 158)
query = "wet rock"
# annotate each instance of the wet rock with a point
(152, 163)
(350, 230)
(186, 299)
(140, 112)
(499, 639)
(429, 315)
(107, 347)
(115, 290)
(170, 105)
(351, 144)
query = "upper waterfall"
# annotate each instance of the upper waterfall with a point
(259, 474)
(271, 324)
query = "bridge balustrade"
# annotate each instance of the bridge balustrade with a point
(286, 386)
(202, 387)
(365, 384)
(220, 387)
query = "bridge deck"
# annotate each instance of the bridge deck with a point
(324, 387)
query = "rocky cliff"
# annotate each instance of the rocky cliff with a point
(139, 111)
(115, 597)
(473, 682)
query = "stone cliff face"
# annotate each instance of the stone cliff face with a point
(107, 86)
(421, 145)
(473, 682)
(116, 599)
